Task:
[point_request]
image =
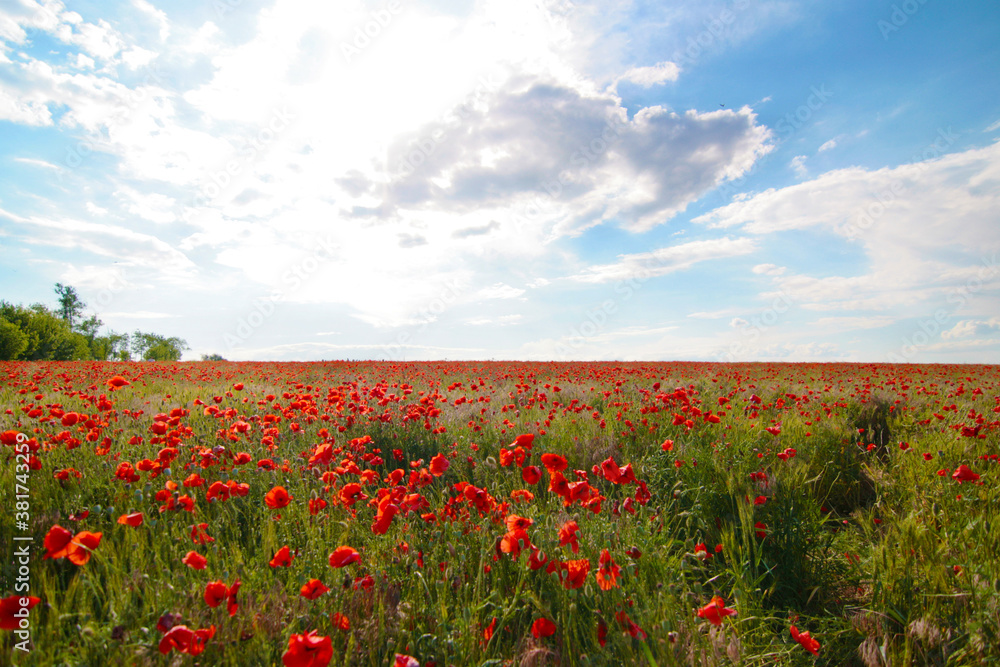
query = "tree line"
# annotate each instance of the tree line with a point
(30, 333)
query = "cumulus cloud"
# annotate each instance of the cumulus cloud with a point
(926, 229)
(652, 75)
(969, 328)
(575, 150)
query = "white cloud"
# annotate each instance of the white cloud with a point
(925, 229)
(969, 328)
(839, 324)
(503, 320)
(768, 269)
(139, 315)
(665, 260)
(158, 16)
(37, 163)
(798, 164)
(499, 291)
(712, 315)
(832, 143)
(153, 206)
(652, 75)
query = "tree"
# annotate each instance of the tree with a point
(212, 357)
(154, 347)
(112, 347)
(70, 304)
(12, 341)
(89, 327)
(46, 336)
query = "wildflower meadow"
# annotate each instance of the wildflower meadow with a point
(499, 513)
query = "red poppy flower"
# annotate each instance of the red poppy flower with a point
(195, 560)
(215, 593)
(282, 558)
(231, 603)
(277, 498)
(531, 474)
(316, 505)
(964, 474)
(803, 638)
(340, 621)
(537, 559)
(218, 490)
(383, 516)
(489, 629)
(134, 519)
(715, 611)
(198, 534)
(439, 464)
(185, 640)
(543, 627)
(343, 556)
(554, 462)
(602, 633)
(82, 546)
(11, 610)
(607, 572)
(558, 484)
(117, 382)
(569, 534)
(576, 572)
(57, 542)
(351, 493)
(312, 589)
(308, 650)
(525, 440)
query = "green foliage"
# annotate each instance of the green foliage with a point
(36, 333)
(70, 304)
(154, 347)
(111, 347)
(13, 341)
(45, 335)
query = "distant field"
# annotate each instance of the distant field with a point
(501, 513)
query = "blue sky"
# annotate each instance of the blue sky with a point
(515, 179)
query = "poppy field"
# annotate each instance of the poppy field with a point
(499, 513)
